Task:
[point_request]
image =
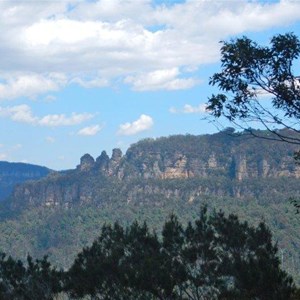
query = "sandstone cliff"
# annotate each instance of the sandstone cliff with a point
(203, 156)
(208, 160)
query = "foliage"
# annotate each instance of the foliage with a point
(62, 233)
(216, 257)
(249, 72)
(213, 257)
(37, 280)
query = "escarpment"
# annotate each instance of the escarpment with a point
(219, 164)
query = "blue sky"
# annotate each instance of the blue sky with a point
(80, 77)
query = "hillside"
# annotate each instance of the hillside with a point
(61, 213)
(218, 164)
(12, 174)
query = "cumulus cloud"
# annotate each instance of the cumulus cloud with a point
(137, 41)
(90, 130)
(63, 120)
(189, 109)
(19, 113)
(23, 113)
(143, 123)
(161, 80)
(29, 85)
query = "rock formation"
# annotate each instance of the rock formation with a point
(233, 159)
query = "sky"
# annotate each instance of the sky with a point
(85, 76)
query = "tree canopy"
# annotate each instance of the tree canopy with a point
(260, 84)
(214, 257)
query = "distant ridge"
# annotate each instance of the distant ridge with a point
(63, 212)
(13, 173)
(233, 158)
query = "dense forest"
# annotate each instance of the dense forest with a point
(214, 257)
(184, 217)
(64, 212)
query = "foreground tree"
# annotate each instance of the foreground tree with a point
(249, 261)
(250, 72)
(216, 257)
(259, 84)
(35, 280)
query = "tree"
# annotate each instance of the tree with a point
(97, 270)
(37, 280)
(249, 261)
(216, 257)
(251, 72)
(202, 259)
(147, 267)
(172, 256)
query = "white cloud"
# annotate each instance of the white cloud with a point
(173, 110)
(22, 113)
(92, 83)
(3, 156)
(29, 85)
(63, 120)
(50, 139)
(189, 109)
(17, 147)
(161, 80)
(19, 113)
(90, 130)
(49, 98)
(143, 123)
(109, 40)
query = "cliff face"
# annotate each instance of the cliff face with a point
(240, 160)
(219, 156)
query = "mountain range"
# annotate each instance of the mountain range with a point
(62, 212)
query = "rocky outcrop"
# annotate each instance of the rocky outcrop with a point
(115, 163)
(237, 162)
(240, 167)
(175, 158)
(87, 163)
(176, 167)
(102, 162)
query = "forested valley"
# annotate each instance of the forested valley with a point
(206, 213)
(179, 217)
